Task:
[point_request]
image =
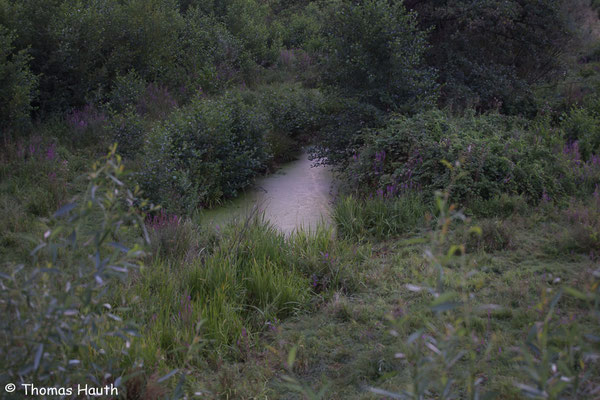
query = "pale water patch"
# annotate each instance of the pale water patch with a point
(296, 196)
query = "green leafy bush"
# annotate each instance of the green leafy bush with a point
(205, 152)
(338, 138)
(247, 20)
(293, 110)
(60, 327)
(208, 55)
(126, 91)
(129, 131)
(301, 27)
(583, 125)
(295, 115)
(497, 155)
(18, 85)
(84, 50)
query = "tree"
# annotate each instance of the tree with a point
(375, 53)
(489, 52)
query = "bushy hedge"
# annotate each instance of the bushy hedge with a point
(207, 151)
(213, 148)
(296, 114)
(80, 48)
(339, 136)
(497, 154)
(582, 125)
(18, 84)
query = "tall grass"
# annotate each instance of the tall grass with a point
(379, 217)
(248, 279)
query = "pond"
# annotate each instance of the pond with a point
(296, 196)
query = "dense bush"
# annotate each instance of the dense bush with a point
(489, 52)
(17, 85)
(129, 131)
(213, 148)
(296, 114)
(374, 52)
(496, 155)
(339, 135)
(205, 152)
(582, 125)
(301, 27)
(126, 91)
(247, 20)
(293, 110)
(81, 49)
(60, 326)
(208, 55)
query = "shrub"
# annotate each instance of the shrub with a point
(488, 53)
(295, 116)
(129, 131)
(18, 85)
(301, 26)
(497, 155)
(81, 48)
(582, 125)
(60, 328)
(294, 111)
(248, 21)
(126, 91)
(343, 120)
(205, 152)
(208, 55)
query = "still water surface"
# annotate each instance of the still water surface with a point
(296, 196)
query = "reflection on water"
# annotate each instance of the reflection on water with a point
(298, 195)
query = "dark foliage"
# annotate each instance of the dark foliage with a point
(374, 52)
(488, 52)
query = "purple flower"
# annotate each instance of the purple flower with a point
(51, 152)
(162, 220)
(545, 197)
